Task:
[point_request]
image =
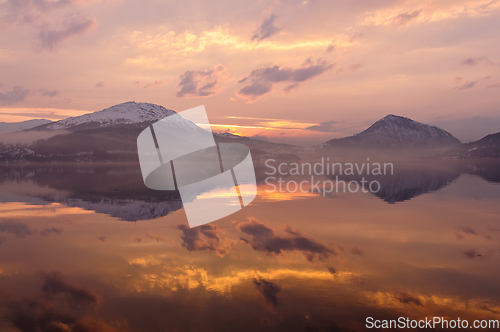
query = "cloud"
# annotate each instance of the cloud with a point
(17, 229)
(404, 18)
(469, 84)
(357, 251)
(264, 239)
(408, 299)
(16, 95)
(294, 232)
(269, 289)
(38, 115)
(54, 285)
(266, 30)
(162, 47)
(201, 83)
(356, 36)
(48, 18)
(48, 93)
(157, 238)
(466, 85)
(263, 80)
(446, 10)
(466, 230)
(50, 231)
(355, 67)
(155, 83)
(471, 254)
(327, 126)
(202, 238)
(471, 61)
(30, 11)
(50, 38)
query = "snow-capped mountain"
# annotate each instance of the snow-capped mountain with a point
(397, 131)
(111, 135)
(129, 113)
(10, 127)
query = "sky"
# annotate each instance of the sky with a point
(299, 72)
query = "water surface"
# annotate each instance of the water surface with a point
(88, 246)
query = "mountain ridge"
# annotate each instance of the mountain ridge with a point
(486, 147)
(128, 113)
(10, 127)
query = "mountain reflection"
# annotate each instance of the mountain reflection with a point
(114, 189)
(410, 181)
(118, 189)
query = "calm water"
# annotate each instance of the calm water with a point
(89, 248)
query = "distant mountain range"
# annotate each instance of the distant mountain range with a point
(10, 127)
(111, 135)
(395, 131)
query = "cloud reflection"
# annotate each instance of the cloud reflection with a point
(202, 238)
(264, 239)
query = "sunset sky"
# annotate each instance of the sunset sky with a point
(299, 72)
